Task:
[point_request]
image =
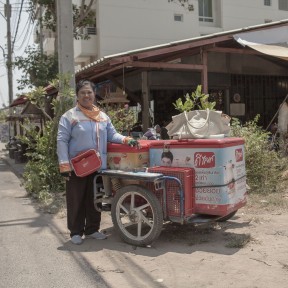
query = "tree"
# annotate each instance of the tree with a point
(183, 3)
(3, 114)
(83, 15)
(38, 67)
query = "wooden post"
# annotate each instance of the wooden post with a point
(227, 101)
(145, 101)
(204, 73)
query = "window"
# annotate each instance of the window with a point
(267, 2)
(283, 5)
(205, 10)
(178, 17)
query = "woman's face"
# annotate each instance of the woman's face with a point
(86, 96)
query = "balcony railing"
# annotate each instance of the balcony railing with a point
(90, 30)
(206, 19)
(87, 31)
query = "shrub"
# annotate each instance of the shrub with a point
(123, 118)
(263, 166)
(197, 100)
(41, 175)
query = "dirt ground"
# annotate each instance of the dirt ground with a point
(250, 250)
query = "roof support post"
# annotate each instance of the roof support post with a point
(204, 72)
(145, 101)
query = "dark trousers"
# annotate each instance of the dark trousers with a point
(82, 217)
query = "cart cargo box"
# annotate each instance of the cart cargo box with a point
(124, 157)
(220, 182)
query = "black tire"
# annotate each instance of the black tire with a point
(137, 215)
(227, 217)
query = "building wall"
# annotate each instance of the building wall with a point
(131, 24)
(134, 24)
(237, 14)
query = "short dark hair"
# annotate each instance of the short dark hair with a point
(85, 82)
(167, 154)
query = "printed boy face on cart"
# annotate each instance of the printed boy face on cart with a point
(167, 158)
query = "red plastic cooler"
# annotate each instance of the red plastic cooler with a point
(124, 157)
(220, 176)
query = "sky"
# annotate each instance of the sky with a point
(24, 38)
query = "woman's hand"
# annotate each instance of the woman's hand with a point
(66, 175)
(130, 141)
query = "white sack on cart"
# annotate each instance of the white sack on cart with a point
(199, 124)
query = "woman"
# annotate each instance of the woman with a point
(81, 128)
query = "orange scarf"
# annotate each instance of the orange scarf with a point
(93, 114)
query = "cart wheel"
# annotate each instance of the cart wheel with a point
(137, 215)
(227, 217)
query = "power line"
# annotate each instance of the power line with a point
(16, 8)
(14, 17)
(17, 25)
(25, 28)
(23, 36)
(26, 37)
(30, 34)
(3, 15)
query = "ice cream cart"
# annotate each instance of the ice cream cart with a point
(183, 181)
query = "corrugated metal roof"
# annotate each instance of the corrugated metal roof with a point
(105, 59)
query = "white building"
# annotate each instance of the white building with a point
(131, 24)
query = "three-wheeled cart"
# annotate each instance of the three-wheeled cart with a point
(205, 181)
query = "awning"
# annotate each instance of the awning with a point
(271, 42)
(19, 101)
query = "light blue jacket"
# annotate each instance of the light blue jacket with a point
(77, 133)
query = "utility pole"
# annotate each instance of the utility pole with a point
(9, 52)
(41, 30)
(65, 39)
(9, 58)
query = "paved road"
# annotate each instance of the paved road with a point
(35, 248)
(31, 244)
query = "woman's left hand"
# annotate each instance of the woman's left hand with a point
(131, 142)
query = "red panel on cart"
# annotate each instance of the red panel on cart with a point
(124, 157)
(187, 178)
(124, 148)
(199, 143)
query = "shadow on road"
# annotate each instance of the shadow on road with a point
(176, 238)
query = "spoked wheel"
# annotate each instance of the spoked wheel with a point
(137, 215)
(227, 217)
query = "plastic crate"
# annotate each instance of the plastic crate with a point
(187, 178)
